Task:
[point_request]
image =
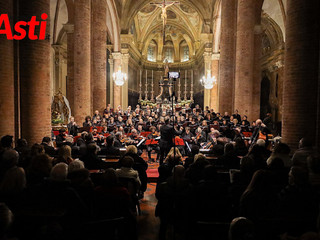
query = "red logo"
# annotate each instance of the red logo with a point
(20, 28)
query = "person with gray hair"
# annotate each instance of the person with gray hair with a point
(75, 165)
(59, 172)
(241, 229)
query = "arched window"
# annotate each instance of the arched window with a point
(151, 57)
(185, 56)
(169, 51)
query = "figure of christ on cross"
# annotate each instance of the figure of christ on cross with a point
(164, 5)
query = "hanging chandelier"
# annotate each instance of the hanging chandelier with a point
(209, 81)
(119, 77)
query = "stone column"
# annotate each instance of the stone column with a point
(301, 72)
(7, 120)
(69, 28)
(227, 55)
(256, 84)
(111, 80)
(35, 76)
(244, 57)
(99, 54)
(117, 59)
(82, 60)
(207, 68)
(124, 88)
(214, 96)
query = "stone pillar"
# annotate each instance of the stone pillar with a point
(7, 120)
(214, 96)
(301, 71)
(82, 60)
(207, 68)
(111, 80)
(35, 76)
(256, 84)
(227, 55)
(69, 28)
(99, 54)
(117, 58)
(124, 88)
(244, 57)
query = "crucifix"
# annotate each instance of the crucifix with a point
(164, 5)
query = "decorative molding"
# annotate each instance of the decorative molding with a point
(68, 27)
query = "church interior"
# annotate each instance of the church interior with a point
(158, 119)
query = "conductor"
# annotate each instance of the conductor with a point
(167, 134)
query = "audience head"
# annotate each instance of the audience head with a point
(260, 181)
(7, 141)
(59, 172)
(65, 152)
(6, 219)
(13, 181)
(75, 165)
(10, 158)
(110, 140)
(127, 162)
(241, 229)
(178, 172)
(199, 157)
(46, 140)
(310, 236)
(228, 148)
(195, 149)
(109, 178)
(298, 176)
(305, 143)
(92, 149)
(261, 143)
(89, 138)
(22, 142)
(37, 149)
(276, 164)
(281, 148)
(41, 165)
(131, 149)
(313, 162)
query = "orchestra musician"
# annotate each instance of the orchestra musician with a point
(153, 135)
(72, 127)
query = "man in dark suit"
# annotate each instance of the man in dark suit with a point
(167, 133)
(110, 149)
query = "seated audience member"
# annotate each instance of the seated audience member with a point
(139, 165)
(23, 149)
(210, 198)
(241, 229)
(258, 156)
(6, 142)
(165, 170)
(281, 151)
(47, 145)
(6, 220)
(64, 155)
(56, 196)
(39, 169)
(173, 200)
(110, 150)
(80, 180)
(313, 163)
(91, 159)
(259, 201)
(9, 159)
(279, 174)
(12, 186)
(240, 147)
(126, 171)
(189, 160)
(112, 200)
(195, 172)
(229, 159)
(299, 203)
(305, 150)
